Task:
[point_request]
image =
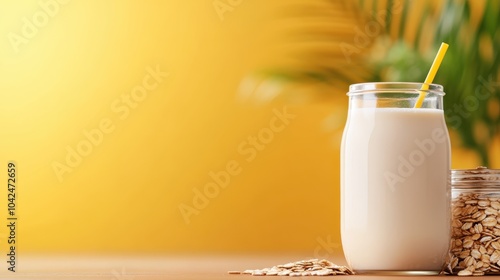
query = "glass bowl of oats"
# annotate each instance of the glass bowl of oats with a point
(475, 240)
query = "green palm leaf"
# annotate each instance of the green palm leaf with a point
(343, 42)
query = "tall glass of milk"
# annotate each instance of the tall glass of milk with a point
(395, 171)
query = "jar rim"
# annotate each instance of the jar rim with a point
(480, 177)
(399, 87)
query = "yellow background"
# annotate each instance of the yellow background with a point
(125, 195)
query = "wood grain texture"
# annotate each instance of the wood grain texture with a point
(167, 267)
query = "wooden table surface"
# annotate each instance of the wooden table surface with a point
(167, 267)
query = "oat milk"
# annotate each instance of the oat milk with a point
(395, 193)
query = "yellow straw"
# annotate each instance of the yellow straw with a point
(432, 73)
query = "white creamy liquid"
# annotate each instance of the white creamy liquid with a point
(395, 166)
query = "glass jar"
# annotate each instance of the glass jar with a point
(395, 169)
(475, 241)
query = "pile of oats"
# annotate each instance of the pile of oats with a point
(475, 243)
(312, 267)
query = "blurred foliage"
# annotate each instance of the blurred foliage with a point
(396, 40)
